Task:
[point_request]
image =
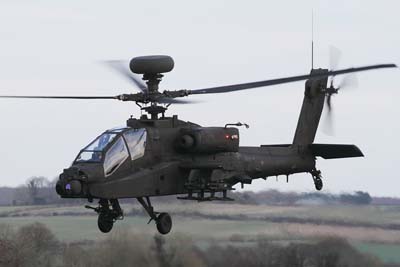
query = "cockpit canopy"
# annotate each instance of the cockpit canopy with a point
(113, 147)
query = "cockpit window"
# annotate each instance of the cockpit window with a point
(101, 142)
(117, 129)
(93, 152)
(136, 140)
(89, 156)
(115, 156)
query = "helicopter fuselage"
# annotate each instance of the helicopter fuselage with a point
(183, 157)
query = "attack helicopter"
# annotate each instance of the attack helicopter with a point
(156, 155)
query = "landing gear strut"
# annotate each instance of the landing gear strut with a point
(317, 177)
(163, 220)
(107, 217)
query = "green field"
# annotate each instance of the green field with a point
(366, 227)
(388, 253)
(77, 228)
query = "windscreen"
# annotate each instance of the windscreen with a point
(93, 152)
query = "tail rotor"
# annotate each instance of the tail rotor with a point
(348, 81)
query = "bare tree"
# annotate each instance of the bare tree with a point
(34, 185)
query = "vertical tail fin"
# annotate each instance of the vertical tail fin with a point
(313, 103)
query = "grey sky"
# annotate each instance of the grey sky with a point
(53, 47)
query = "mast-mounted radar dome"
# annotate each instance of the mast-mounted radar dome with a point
(151, 64)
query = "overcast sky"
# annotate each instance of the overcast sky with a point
(54, 48)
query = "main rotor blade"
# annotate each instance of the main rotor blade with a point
(139, 97)
(61, 97)
(121, 67)
(245, 86)
(166, 100)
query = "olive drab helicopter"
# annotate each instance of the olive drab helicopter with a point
(157, 155)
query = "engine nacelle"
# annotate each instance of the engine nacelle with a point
(208, 140)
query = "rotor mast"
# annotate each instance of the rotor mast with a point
(153, 80)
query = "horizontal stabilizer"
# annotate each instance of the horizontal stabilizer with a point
(277, 145)
(333, 151)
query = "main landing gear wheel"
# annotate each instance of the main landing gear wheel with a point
(164, 223)
(107, 216)
(163, 220)
(105, 222)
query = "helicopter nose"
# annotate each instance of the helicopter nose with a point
(69, 188)
(74, 187)
(60, 188)
(70, 183)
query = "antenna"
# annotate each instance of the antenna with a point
(312, 39)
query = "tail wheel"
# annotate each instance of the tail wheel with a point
(105, 222)
(318, 184)
(164, 223)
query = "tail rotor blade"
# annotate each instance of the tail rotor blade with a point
(329, 103)
(349, 81)
(328, 125)
(334, 57)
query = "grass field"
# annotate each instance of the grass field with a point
(371, 229)
(388, 253)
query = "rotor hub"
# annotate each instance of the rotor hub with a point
(154, 110)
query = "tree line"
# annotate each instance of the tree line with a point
(40, 191)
